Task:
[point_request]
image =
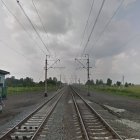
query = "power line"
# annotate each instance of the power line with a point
(87, 68)
(33, 26)
(83, 35)
(39, 17)
(108, 23)
(46, 73)
(12, 48)
(21, 25)
(93, 26)
(41, 21)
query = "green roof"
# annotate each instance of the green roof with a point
(4, 72)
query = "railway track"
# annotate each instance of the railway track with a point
(93, 126)
(30, 127)
(85, 122)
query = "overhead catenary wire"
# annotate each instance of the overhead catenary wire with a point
(83, 35)
(33, 26)
(30, 36)
(3, 42)
(18, 21)
(15, 50)
(41, 21)
(93, 27)
(109, 21)
(39, 17)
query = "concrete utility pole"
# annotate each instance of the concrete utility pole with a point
(123, 80)
(75, 79)
(46, 69)
(87, 68)
(60, 81)
(60, 74)
(88, 75)
(79, 81)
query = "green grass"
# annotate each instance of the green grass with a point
(131, 91)
(19, 90)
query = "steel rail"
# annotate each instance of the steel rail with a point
(46, 118)
(113, 132)
(7, 134)
(80, 119)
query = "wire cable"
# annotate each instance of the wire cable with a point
(106, 26)
(83, 35)
(41, 21)
(39, 17)
(12, 49)
(33, 26)
(93, 27)
(35, 42)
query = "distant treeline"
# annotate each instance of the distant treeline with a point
(109, 82)
(27, 82)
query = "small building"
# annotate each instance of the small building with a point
(3, 88)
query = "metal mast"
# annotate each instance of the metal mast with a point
(87, 68)
(88, 75)
(46, 63)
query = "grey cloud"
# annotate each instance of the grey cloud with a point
(55, 15)
(65, 21)
(113, 40)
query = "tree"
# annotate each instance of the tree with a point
(90, 82)
(27, 82)
(101, 82)
(126, 84)
(13, 82)
(118, 83)
(109, 82)
(41, 83)
(97, 82)
(55, 79)
(130, 84)
(52, 81)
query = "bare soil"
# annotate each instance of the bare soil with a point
(15, 104)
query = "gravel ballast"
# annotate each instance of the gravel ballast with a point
(19, 106)
(122, 113)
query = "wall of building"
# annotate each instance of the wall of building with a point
(2, 78)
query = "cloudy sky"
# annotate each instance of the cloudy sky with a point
(113, 50)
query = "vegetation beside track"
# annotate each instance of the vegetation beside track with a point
(131, 91)
(27, 85)
(19, 90)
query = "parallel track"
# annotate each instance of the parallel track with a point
(93, 126)
(29, 127)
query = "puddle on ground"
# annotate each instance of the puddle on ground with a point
(116, 110)
(131, 124)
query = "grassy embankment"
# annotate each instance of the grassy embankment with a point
(131, 91)
(18, 90)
